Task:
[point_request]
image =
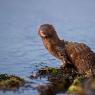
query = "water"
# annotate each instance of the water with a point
(21, 49)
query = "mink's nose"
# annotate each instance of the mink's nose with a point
(42, 34)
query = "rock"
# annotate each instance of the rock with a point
(76, 88)
(10, 82)
(64, 80)
(59, 79)
(82, 86)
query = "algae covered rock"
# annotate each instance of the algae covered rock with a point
(82, 87)
(76, 88)
(10, 81)
(64, 80)
(59, 79)
(67, 72)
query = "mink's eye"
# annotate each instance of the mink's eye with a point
(45, 37)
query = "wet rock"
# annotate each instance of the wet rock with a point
(10, 82)
(67, 72)
(64, 80)
(82, 86)
(59, 79)
(76, 88)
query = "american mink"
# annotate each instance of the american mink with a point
(78, 54)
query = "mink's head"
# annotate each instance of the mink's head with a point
(47, 31)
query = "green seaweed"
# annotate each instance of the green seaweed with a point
(75, 87)
(60, 79)
(82, 86)
(64, 80)
(10, 81)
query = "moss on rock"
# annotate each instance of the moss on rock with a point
(76, 88)
(65, 80)
(10, 81)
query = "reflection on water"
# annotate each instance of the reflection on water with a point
(21, 48)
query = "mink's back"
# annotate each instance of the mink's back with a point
(81, 56)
